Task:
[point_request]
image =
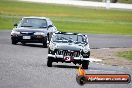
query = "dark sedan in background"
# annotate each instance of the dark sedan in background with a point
(33, 30)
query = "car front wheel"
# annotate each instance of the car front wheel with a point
(85, 64)
(49, 62)
(13, 41)
(45, 43)
(23, 43)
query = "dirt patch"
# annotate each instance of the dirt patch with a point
(109, 56)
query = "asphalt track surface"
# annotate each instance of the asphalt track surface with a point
(25, 66)
(109, 41)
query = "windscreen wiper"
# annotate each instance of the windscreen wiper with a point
(43, 27)
(26, 26)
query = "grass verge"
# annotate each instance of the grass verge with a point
(126, 54)
(69, 18)
(120, 1)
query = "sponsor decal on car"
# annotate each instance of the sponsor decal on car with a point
(68, 58)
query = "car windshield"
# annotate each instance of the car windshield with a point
(68, 38)
(33, 22)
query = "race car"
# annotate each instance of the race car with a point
(69, 47)
(33, 30)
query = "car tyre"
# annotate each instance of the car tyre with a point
(49, 62)
(45, 43)
(85, 64)
(23, 43)
(14, 42)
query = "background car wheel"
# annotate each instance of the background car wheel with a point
(49, 62)
(85, 64)
(23, 43)
(14, 41)
(45, 43)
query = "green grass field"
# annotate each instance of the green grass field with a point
(127, 55)
(120, 1)
(69, 18)
(125, 1)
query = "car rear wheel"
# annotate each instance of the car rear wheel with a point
(49, 62)
(85, 64)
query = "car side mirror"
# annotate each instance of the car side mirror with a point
(50, 26)
(15, 24)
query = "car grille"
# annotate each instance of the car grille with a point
(27, 33)
(68, 53)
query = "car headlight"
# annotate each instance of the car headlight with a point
(40, 33)
(52, 46)
(86, 49)
(15, 32)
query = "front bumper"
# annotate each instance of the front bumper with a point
(61, 58)
(32, 38)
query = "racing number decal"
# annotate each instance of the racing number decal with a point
(67, 58)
